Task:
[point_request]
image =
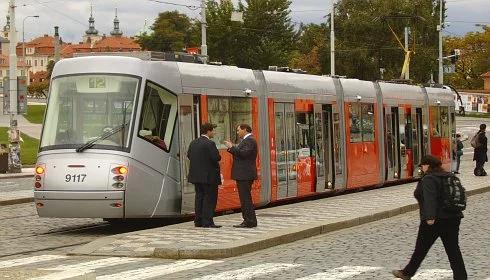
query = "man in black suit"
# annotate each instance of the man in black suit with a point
(244, 172)
(204, 173)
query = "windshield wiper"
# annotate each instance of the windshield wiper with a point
(103, 136)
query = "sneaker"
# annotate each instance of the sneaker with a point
(400, 274)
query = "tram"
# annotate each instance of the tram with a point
(117, 129)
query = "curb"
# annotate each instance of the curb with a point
(42, 274)
(286, 236)
(12, 176)
(16, 201)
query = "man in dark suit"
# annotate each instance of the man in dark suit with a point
(480, 154)
(204, 173)
(244, 172)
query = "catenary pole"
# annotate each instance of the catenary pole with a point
(441, 24)
(332, 40)
(204, 47)
(407, 74)
(14, 151)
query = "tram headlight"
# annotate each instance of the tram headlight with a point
(39, 170)
(121, 170)
(118, 185)
(118, 178)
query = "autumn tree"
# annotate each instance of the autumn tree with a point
(473, 61)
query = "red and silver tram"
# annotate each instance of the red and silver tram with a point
(117, 128)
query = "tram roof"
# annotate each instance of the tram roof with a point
(440, 96)
(99, 64)
(215, 79)
(354, 88)
(294, 83)
(402, 93)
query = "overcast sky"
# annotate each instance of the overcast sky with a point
(72, 15)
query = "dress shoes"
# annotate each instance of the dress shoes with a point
(211, 226)
(242, 225)
(401, 275)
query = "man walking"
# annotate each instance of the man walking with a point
(204, 173)
(244, 172)
(480, 154)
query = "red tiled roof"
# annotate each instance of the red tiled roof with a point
(115, 43)
(106, 44)
(42, 46)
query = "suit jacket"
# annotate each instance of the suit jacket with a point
(204, 162)
(244, 160)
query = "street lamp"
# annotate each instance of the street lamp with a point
(23, 38)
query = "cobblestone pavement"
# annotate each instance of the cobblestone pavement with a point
(186, 241)
(368, 251)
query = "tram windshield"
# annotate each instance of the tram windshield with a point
(81, 108)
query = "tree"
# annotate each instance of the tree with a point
(223, 34)
(50, 68)
(268, 36)
(474, 60)
(364, 42)
(38, 90)
(311, 46)
(172, 31)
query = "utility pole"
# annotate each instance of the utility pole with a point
(204, 47)
(439, 28)
(56, 44)
(14, 158)
(332, 40)
(407, 74)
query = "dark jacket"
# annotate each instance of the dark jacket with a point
(481, 152)
(244, 160)
(429, 198)
(204, 162)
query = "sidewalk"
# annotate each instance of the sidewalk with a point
(20, 196)
(277, 225)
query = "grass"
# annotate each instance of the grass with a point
(35, 113)
(28, 148)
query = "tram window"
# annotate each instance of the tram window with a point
(219, 114)
(227, 114)
(241, 109)
(158, 116)
(355, 123)
(439, 120)
(444, 118)
(367, 122)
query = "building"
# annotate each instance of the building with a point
(38, 52)
(22, 68)
(486, 80)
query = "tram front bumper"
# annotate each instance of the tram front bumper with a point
(76, 204)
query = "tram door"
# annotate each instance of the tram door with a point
(286, 152)
(417, 144)
(188, 110)
(393, 152)
(324, 147)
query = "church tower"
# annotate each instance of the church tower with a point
(116, 32)
(91, 35)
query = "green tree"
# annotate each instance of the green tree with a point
(172, 31)
(364, 42)
(268, 36)
(474, 60)
(223, 34)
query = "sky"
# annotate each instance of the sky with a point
(72, 15)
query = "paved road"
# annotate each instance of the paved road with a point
(369, 251)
